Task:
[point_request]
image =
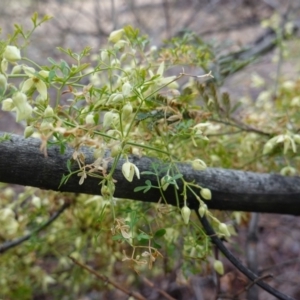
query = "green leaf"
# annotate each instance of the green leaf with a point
(159, 233)
(79, 69)
(51, 75)
(34, 18)
(69, 165)
(144, 188)
(52, 61)
(147, 173)
(63, 180)
(156, 245)
(118, 237)
(139, 188)
(143, 236)
(62, 148)
(177, 176)
(235, 107)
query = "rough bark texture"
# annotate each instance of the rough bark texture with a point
(22, 162)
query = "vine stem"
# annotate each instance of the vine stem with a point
(235, 261)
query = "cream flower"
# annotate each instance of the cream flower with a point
(22, 107)
(128, 170)
(110, 119)
(205, 194)
(116, 35)
(160, 80)
(198, 164)
(185, 213)
(8, 104)
(36, 82)
(12, 53)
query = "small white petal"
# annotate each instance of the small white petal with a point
(42, 88)
(116, 35)
(12, 53)
(27, 85)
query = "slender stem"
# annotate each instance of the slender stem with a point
(253, 277)
(11, 244)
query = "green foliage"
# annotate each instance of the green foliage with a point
(121, 100)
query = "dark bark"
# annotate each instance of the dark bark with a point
(22, 162)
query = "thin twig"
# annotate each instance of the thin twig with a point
(160, 291)
(280, 37)
(105, 279)
(280, 265)
(251, 253)
(217, 276)
(225, 133)
(241, 126)
(257, 279)
(11, 244)
(216, 240)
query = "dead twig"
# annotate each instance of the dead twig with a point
(107, 280)
(235, 261)
(11, 244)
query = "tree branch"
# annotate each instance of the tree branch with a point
(107, 280)
(22, 162)
(252, 276)
(11, 244)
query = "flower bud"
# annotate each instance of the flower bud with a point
(165, 181)
(115, 63)
(297, 138)
(224, 230)
(40, 100)
(198, 164)
(29, 130)
(288, 171)
(12, 53)
(202, 210)
(3, 84)
(89, 119)
(8, 104)
(48, 113)
(16, 69)
(109, 119)
(4, 65)
(44, 73)
(153, 49)
(218, 266)
(115, 150)
(205, 194)
(185, 212)
(120, 45)
(22, 107)
(46, 126)
(127, 111)
(28, 70)
(36, 201)
(105, 192)
(104, 55)
(116, 35)
(126, 89)
(116, 97)
(268, 148)
(99, 153)
(128, 170)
